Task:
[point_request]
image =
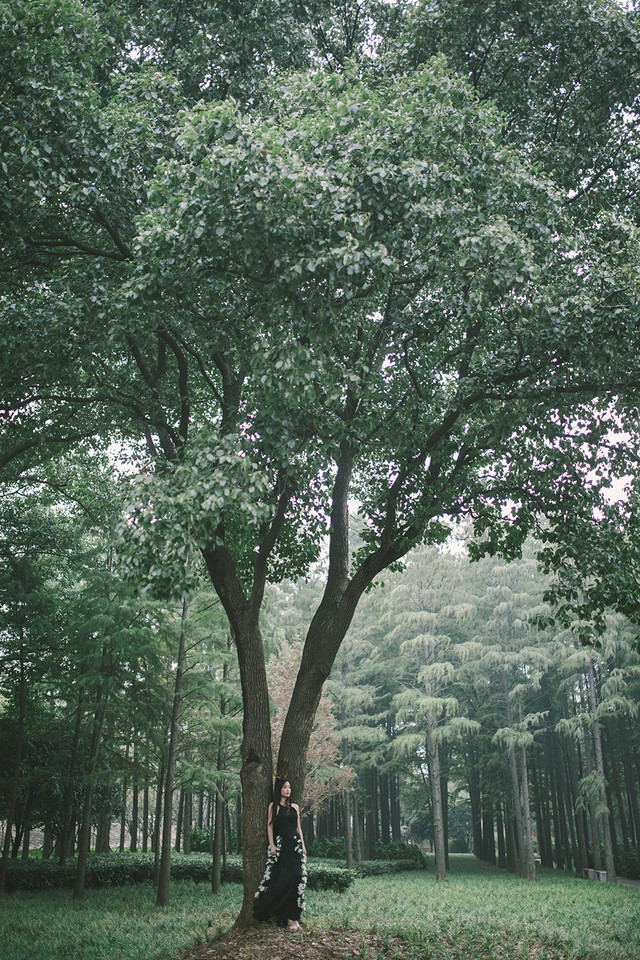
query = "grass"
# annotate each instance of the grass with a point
(113, 923)
(480, 913)
(488, 914)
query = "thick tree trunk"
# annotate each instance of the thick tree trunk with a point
(255, 751)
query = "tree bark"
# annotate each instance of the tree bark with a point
(164, 874)
(84, 835)
(17, 767)
(436, 797)
(597, 741)
(530, 862)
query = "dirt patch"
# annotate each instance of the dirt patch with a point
(274, 943)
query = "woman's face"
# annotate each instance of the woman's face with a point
(285, 790)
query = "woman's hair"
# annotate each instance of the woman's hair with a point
(277, 790)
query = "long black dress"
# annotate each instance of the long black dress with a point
(280, 895)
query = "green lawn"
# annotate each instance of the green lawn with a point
(479, 914)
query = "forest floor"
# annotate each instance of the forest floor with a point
(274, 943)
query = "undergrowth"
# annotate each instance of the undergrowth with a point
(479, 913)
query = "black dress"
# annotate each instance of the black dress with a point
(280, 895)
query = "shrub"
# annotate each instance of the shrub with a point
(376, 868)
(121, 869)
(628, 864)
(200, 840)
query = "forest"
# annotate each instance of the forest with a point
(319, 434)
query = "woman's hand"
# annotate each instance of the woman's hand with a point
(272, 847)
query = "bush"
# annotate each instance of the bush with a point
(121, 869)
(200, 840)
(376, 868)
(335, 849)
(398, 851)
(628, 864)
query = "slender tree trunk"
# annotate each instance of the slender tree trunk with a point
(436, 797)
(474, 797)
(164, 874)
(385, 819)
(157, 826)
(187, 822)
(134, 799)
(125, 793)
(73, 764)
(17, 767)
(502, 850)
(145, 817)
(582, 859)
(179, 821)
(84, 835)
(597, 741)
(394, 797)
(357, 831)
(348, 833)
(517, 812)
(530, 862)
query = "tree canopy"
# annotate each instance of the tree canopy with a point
(290, 274)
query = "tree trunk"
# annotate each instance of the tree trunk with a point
(125, 793)
(436, 797)
(530, 862)
(606, 825)
(255, 750)
(145, 818)
(502, 850)
(134, 800)
(17, 767)
(164, 874)
(357, 831)
(348, 833)
(385, 819)
(394, 797)
(517, 812)
(68, 797)
(187, 818)
(84, 834)
(178, 842)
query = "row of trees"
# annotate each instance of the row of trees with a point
(359, 250)
(492, 730)
(494, 713)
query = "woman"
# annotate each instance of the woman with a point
(281, 892)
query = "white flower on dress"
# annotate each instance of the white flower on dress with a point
(272, 859)
(303, 864)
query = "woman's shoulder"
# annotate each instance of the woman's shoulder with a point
(296, 807)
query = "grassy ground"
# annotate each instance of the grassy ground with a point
(479, 914)
(484, 913)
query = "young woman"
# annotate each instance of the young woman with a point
(280, 895)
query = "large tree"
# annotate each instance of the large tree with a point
(354, 288)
